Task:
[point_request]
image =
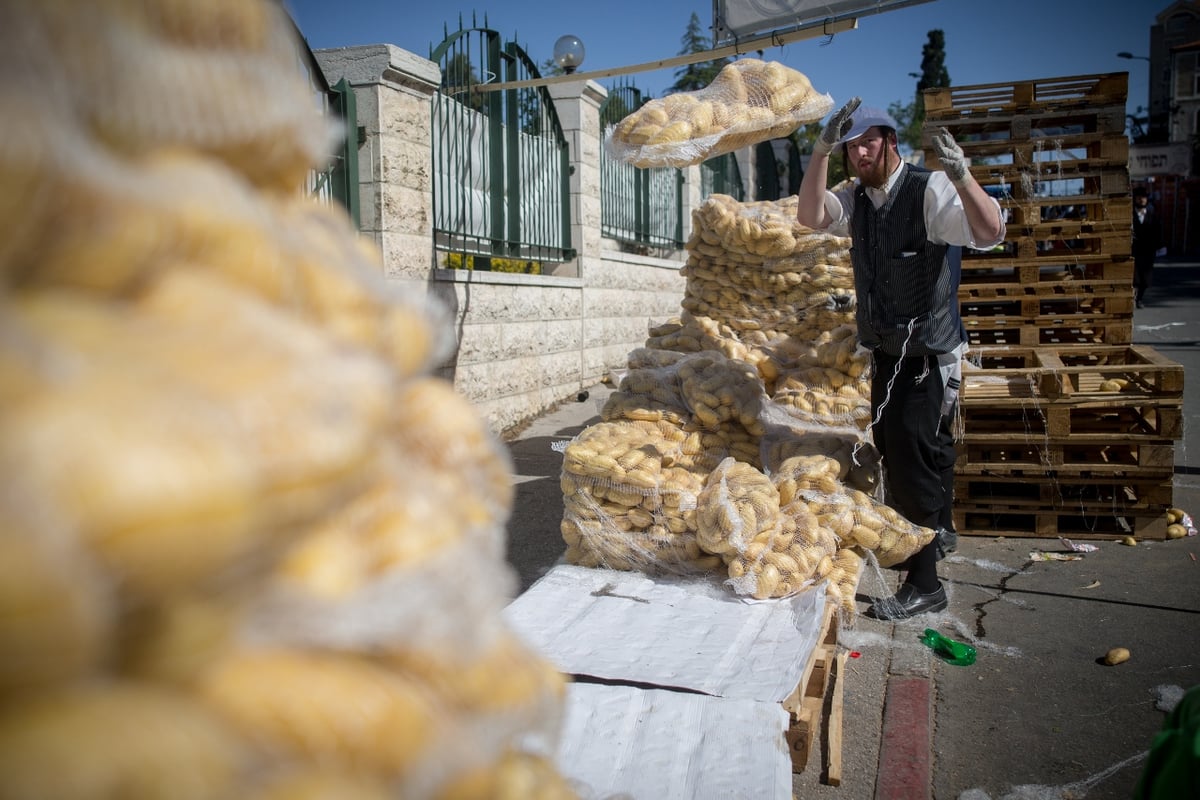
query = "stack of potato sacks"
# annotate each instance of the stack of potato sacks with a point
(249, 546)
(738, 438)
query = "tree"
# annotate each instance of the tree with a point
(911, 117)
(805, 137)
(692, 77)
(459, 77)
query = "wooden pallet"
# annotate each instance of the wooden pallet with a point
(1004, 277)
(1093, 453)
(1048, 216)
(993, 374)
(1033, 418)
(817, 699)
(992, 520)
(1062, 248)
(1043, 152)
(1062, 93)
(1037, 502)
(994, 331)
(1052, 306)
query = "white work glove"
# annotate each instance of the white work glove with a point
(837, 127)
(951, 157)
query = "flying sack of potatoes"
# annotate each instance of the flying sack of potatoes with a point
(749, 101)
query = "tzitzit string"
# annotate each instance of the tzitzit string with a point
(888, 395)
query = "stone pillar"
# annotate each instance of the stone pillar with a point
(392, 89)
(578, 108)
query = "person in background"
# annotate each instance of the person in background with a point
(1147, 238)
(908, 226)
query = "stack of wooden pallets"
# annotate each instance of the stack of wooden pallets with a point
(1068, 428)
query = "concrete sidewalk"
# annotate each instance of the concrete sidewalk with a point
(1038, 715)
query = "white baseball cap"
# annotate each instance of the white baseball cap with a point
(865, 117)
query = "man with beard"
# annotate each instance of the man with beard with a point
(908, 226)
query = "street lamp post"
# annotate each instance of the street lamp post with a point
(1135, 127)
(568, 53)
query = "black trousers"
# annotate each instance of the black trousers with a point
(917, 447)
(1143, 273)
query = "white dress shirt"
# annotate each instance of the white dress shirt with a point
(945, 219)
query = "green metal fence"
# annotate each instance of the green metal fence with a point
(721, 175)
(338, 181)
(501, 196)
(640, 207)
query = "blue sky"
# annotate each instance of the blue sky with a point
(998, 41)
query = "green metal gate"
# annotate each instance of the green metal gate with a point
(721, 175)
(338, 181)
(640, 207)
(501, 171)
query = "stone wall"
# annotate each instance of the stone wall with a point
(521, 343)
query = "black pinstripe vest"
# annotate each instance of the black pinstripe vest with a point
(900, 277)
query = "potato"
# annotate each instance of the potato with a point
(1175, 515)
(1129, 540)
(1176, 531)
(1117, 655)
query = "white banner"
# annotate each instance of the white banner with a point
(1147, 160)
(741, 19)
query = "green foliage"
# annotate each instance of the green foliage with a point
(458, 261)
(460, 74)
(806, 136)
(692, 77)
(933, 75)
(910, 118)
(623, 99)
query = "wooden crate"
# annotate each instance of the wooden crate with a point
(815, 706)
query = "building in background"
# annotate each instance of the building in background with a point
(1166, 157)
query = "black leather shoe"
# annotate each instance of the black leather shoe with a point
(908, 602)
(947, 542)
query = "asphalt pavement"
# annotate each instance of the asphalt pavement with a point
(1038, 716)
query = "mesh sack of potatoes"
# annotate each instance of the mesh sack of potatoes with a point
(808, 469)
(859, 520)
(237, 510)
(114, 71)
(719, 390)
(690, 333)
(823, 383)
(757, 279)
(704, 393)
(788, 453)
(842, 581)
(647, 393)
(749, 101)
(629, 496)
(769, 550)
